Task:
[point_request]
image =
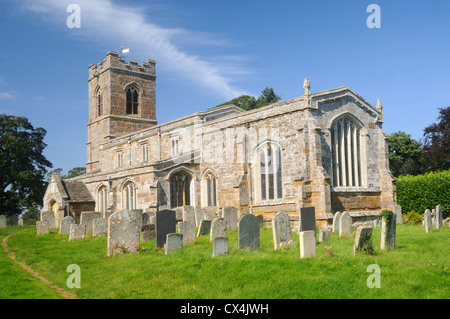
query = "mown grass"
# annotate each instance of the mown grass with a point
(418, 268)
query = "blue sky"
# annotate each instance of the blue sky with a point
(208, 52)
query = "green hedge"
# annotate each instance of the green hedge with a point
(417, 193)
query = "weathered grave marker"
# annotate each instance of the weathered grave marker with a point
(87, 218)
(388, 230)
(248, 233)
(42, 228)
(220, 246)
(65, 225)
(307, 243)
(428, 222)
(187, 229)
(100, 227)
(230, 214)
(336, 219)
(281, 229)
(77, 232)
(345, 224)
(218, 229)
(398, 213)
(148, 232)
(173, 242)
(49, 218)
(165, 224)
(205, 228)
(123, 232)
(363, 240)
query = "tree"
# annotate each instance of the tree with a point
(248, 102)
(436, 143)
(405, 154)
(76, 171)
(22, 165)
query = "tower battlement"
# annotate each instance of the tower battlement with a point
(113, 61)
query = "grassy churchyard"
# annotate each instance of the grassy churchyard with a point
(418, 268)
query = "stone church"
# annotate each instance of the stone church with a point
(325, 149)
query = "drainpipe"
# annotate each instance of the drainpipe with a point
(159, 142)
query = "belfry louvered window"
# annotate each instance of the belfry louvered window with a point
(346, 144)
(132, 100)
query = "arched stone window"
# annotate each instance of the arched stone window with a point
(102, 199)
(99, 102)
(347, 144)
(132, 100)
(269, 172)
(209, 189)
(129, 196)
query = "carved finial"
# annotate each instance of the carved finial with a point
(379, 105)
(307, 87)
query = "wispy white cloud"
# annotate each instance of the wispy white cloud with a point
(107, 22)
(7, 96)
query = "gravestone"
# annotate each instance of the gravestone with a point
(148, 232)
(336, 219)
(260, 220)
(87, 218)
(281, 229)
(428, 222)
(218, 229)
(49, 218)
(189, 214)
(178, 213)
(398, 213)
(220, 246)
(205, 228)
(20, 222)
(439, 218)
(388, 233)
(165, 224)
(42, 228)
(324, 234)
(307, 243)
(123, 232)
(307, 219)
(210, 214)
(65, 225)
(2, 221)
(345, 224)
(146, 217)
(230, 214)
(363, 240)
(173, 242)
(187, 229)
(248, 233)
(199, 216)
(13, 221)
(77, 232)
(100, 227)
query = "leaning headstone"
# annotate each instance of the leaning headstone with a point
(77, 232)
(123, 232)
(205, 228)
(187, 229)
(388, 231)
(220, 246)
(230, 214)
(324, 234)
(100, 227)
(281, 229)
(345, 224)
(13, 221)
(363, 240)
(307, 243)
(42, 228)
(428, 222)
(218, 229)
(439, 218)
(307, 219)
(49, 218)
(336, 219)
(2, 221)
(248, 233)
(65, 225)
(199, 216)
(148, 232)
(87, 218)
(173, 242)
(398, 213)
(165, 224)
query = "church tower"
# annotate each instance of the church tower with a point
(121, 101)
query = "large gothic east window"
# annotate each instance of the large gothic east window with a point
(270, 172)
(347, 143)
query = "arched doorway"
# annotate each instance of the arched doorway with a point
(180, 189)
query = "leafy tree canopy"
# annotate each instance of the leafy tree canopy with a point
(404, 154)
(22, 164)
(248, 102)
(76, 171)
(436, 143)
